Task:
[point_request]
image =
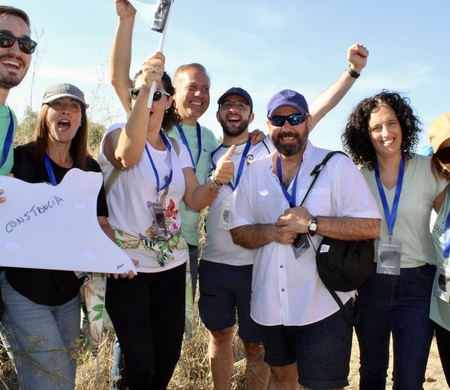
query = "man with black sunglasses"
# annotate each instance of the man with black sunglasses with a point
(305, 336)
(16, 48)
(225, 272)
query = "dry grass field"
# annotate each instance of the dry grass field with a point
(192, 372)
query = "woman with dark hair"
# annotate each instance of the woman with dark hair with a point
(380, 136)
(439, 134)
(153, 174)
(41, 321)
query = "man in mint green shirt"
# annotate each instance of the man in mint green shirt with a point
(192, 83)
(16, 48)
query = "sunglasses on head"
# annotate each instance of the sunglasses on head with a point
(134, 93)
(293, 119)
(26, 45)
(444, 155)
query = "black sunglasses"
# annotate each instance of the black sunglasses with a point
(293, 119)
(444, 155)
(26, 45)
(134, 93)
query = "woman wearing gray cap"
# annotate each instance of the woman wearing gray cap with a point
(439, 134)
(41, 320)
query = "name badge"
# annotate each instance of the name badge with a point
(300, 245)
(389, 256)
(442, 285)
(224, 218)
(160, 220)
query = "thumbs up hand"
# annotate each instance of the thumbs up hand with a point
(225, 167)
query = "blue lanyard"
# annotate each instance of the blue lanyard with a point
(49, 168)
(447, 237)
(186, 143)
(241, 164)
(290, 198)
(169, 148)
(8, 139)
(390, 218)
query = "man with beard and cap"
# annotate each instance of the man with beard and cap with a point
(16, 49)
(225, 269)
(305, 336)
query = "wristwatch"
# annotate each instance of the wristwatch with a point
(214, 183)
(312, 226)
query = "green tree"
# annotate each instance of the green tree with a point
(26, 126)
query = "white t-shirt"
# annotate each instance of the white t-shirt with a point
(130, 205)
(285, 290)
(219, 246)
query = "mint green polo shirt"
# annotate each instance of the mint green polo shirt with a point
(189, 219)
(4, 125)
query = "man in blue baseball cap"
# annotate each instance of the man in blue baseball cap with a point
(305, 336)
(225, 269)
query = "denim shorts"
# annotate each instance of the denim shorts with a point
(223, 290)
(322, 350)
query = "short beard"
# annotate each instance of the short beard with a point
(289, 150)
(8, 80)
(292, 149)
(234, 133)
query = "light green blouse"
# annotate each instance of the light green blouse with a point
(412, 226)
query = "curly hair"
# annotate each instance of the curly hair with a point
(171, 116)
(356, 136)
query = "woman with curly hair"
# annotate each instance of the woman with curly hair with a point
(380, 136)
(153, 175)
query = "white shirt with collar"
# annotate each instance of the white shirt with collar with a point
(285, 290)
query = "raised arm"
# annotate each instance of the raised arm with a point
(124, 148)
(357, 56)
(120, 55)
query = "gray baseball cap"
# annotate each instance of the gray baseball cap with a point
(58, 91)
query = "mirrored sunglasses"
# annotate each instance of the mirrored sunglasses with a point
(293, 119)
(26, 45)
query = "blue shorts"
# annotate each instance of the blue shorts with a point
(322, 350)
(223, 290)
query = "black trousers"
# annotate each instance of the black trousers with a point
(148, 314)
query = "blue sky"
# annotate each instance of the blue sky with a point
(261, 45)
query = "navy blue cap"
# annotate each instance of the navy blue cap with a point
(287, 97)
(237, 91)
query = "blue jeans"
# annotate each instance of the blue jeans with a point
(42, 339)
(399, 305)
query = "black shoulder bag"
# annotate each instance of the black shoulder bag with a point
(342, 265)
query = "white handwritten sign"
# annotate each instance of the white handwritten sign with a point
(56, 227)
